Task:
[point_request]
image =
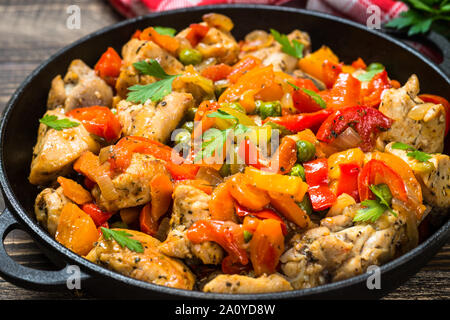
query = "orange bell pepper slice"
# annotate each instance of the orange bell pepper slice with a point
(161, 189)
(221, 205)
(74, 191)
(76, 230)
(88, 164)
(242, 67)
(147, 221)
(266, 246)
(166, 42)
(217, 72)
(247, 195)
(286, 205)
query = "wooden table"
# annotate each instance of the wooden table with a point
(32, 30)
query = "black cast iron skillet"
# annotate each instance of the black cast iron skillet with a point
(20, 122)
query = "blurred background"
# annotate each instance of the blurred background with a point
(32, 30)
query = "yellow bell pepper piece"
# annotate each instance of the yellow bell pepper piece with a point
(354, 155)
(312, 63)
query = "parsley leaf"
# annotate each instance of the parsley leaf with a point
(371, 70)
(294, 49)
(383, 195)
(318, 99)
(422, 16)
(165, 31)
(416, 154)
(123, 239)
(154, 91)
(58, 124)
(372, 211)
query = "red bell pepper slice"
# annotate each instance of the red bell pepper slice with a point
(122, 152)
(108, 66)
(344, 93)
(249, 152)
(316, 174)
(196, 33)
(147, 222)
(366, 121)
(229, 235)
(98, 216)
(99, 121)
(231, 267)
(439, 100)
(263, 214)
(377, 172)
(359, 64)
(330, 72)
(371, 91)
(301, 121)
(217, 72)
(303, 102)
(348, 180)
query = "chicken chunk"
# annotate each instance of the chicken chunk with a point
(136, 50)
(152, 120)
(189, 205)
(55, 151)
(133, 185)
(219, 44)
(321, 255)
(48, 206)
(419, 124)
(150, 266)
(435, 180)
(280, 60)
(81, 87)
(244, 284)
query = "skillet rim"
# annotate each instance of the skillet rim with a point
(94, 270)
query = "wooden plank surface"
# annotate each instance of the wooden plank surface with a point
(32, 30)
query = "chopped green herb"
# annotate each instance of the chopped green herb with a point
(294, 49)
(371, 70)
(415, 154)
(165, 31)
(123, 239)
(371, 212)
(58, 124)
(318, 99)
(153, 91)
(293, 85)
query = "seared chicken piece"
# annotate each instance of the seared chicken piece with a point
(244, 284)
(418, 124)
(435, 180)
(219, 44)
(81, 87)
(282, 61)
(150, 266)
(152, 120)
(48, 206)
(189, 205)
(55, 151)
(321, 255)
(133, 185)
(136, 50)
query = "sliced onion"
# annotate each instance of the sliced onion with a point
(210, 175)
(347, 139)
(219, 21)
(412, 231)
(107, 188)
(105, 154)
(256, 40)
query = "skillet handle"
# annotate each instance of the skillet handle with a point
(26, 277)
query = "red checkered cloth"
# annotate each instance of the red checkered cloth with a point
(357, 10)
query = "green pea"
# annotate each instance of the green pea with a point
(190, 114)
(233, 105)
(298, 171)
(305, 150)
(306, 205)
(189, 126)
(190, 56)
(183, 137)
(268, 109)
